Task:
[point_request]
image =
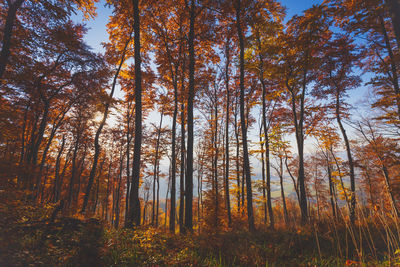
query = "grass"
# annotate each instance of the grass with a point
(28, 238)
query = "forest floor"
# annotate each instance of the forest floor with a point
(28, 237)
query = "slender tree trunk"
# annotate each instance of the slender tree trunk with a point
(128, 170)
(215, 148)
(41, 131)
(96, 197)
(182, 172)
(99, 130)
(237, 163)
(57, 170)
(134, 206)
(263, 177)
(394, 78)
(394, 10)
(350, 159)
(173, 164)
(298, 121)
(189, 160)
(62, 175)
(73, 170)
(108, 189)
(158, 194)
(266, 137)
(22, 155)
(246, 164)
(166, 196)
(7, 34)
(285, 211)
(331, 188)
(155, 176)
(227, 113)
(118, 195)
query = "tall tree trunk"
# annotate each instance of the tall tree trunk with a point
(266, 128)
(108, 190)
(118, 195)
(263, 177)
(134, 206)
(22, 155)
(350, 159)
(101, 126)
(73, 170)
(155, 167)
(394, 10)
(246, 165)
(237, 162)
(285, 211)
(128, 152)
(331, 187)
(215, 148)
(268, 169)
(96, 197)
(173, 164)
(227, 113)
(158, 194)
(57, 170)
(189, 160)
(7, 34)
(182, 171)
(298, 121)
(42, 128)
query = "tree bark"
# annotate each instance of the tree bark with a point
(182, 171)
(7, 34)
(394, 10)
(134, 207)
(350, 159)
(57, 170)
(101, 126)
(155, 167)
(263, 178)
(173, 163)
(189, 160)
(227, 195)
(246, 165)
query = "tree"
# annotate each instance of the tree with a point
(304, 38)
(335, 80)
(134, 206)
(246, 167)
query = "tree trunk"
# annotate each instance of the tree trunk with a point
(394, 10)
(73, 170)
(117, 206)
(246, 165)
(215, 148)
(227, 196)
(155, 167)
(182, 172)
(394, 78)
(98, 132)
(285, 211)
(7, 34)
(189, 160)
(350, 159)
(237, 162)
(57, 170)
(134, 206)
(263, 177)
(331, 188)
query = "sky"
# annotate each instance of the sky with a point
(97, 27)
(97, 34)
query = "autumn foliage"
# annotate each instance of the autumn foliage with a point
(223, 121)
